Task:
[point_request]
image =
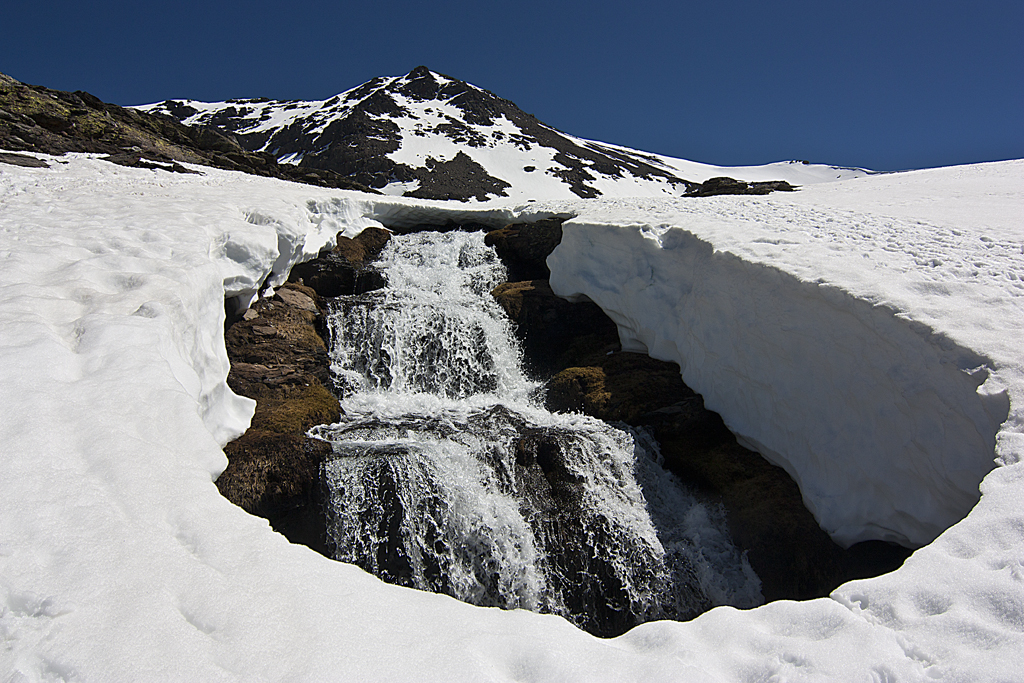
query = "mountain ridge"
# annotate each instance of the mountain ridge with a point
(431, 136)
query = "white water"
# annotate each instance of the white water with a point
(449, 477)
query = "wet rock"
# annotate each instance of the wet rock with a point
(279, 359)
(346, 269)
(555, 333)
(524, 247)
(577, 346)
(619, 387)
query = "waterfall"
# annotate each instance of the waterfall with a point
(448, 476)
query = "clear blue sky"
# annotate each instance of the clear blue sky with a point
(883, 84)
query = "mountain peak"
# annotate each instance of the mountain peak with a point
(432, 136)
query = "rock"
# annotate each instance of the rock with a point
(524, 247)
(578, 345)
(620, 387)
(364, 247)
(22, 160)
(450, 180)
(296, 299)
(346, 269)
(555, 333)
(279, 359)
(37, 119)
(277, 476)
(724, 185)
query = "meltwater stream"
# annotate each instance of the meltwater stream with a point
(448, 476)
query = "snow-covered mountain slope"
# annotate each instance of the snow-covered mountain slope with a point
(428, 135)
(119, 559)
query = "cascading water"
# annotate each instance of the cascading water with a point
(449, 477)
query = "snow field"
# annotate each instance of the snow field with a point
(119, 560)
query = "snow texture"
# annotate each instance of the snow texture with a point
(866, 333)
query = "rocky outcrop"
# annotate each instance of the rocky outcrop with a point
(279, 358)
(575, 347)
(723, 185)
(37, 119)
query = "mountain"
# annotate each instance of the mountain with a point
(34, 118)
(431, 136)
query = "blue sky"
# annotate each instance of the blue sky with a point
(884, 85)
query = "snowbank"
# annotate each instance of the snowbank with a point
(887, 425)
(119, 560)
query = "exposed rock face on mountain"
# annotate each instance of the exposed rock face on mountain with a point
(427, 135)
(37, 119)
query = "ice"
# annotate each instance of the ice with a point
(119, 560)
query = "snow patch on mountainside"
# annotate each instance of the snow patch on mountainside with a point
(397, 133)
(119, 559)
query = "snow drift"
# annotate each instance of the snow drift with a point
(887, 426)
(119, 559)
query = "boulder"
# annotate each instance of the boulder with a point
(346, 269)
(524, 247)
(724, 185)
(279, 359)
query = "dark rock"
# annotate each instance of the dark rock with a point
(453, 179)
(577, 343)
(524, 247)
(724, 185)
(555, 333)
(37, 119)
(135, 160)
(347, 268)
(587, 581)
(279, 359)
(22, 160)
(620, 387)
(277, 476)
(364, 247)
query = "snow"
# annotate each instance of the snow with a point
(119, 560)
(426, 129)
(886, 420)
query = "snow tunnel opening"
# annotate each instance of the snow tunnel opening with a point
(886, 426)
